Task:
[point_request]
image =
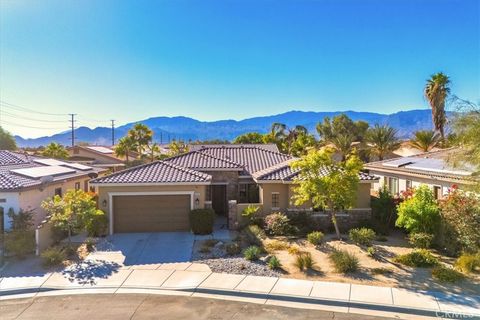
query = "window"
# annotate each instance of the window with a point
(209, 194)
(92, 189)
(248, 193)
(77, 185)
(3, 200)
(275, 200)
(58, 192)
(2, 227)
(437, 192)
(408, 184)
(85, 186)
(393, 185)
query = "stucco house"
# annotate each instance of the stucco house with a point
(430, 168)
(97, 156)
(158, 196)
(25, 181)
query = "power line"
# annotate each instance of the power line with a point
(16, 116)
(113, 132)
(73, 128)
(20, 108)
(33, 127)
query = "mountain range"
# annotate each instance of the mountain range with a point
(167, 128)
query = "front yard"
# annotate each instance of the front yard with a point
(380, 270)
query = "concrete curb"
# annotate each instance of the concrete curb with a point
(230, 294)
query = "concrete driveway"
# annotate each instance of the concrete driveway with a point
(131, 249)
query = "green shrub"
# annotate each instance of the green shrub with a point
(417, 258)
(371, 251)
(250, 214)
(274, 263)
(302, 221)
(293, 250)
(315, 237)
(381, 270)
(232, 248)
(19, 243)
(420, 240)
(446, 274)
(343, 261)
(304, 261)
(362, 236)
(419, 213)
(53, 256)
(252, 253)
(205, 249)
(254, 234)
(90, 244)
(201, 221)
(278, 224)
(276, 245)
(468, 263)
(384, 210)
(97, 225)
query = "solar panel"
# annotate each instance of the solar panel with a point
(38, 172)
(77, 166)
(436, 165)
(49, 162)
(101, 149)
(398, 162)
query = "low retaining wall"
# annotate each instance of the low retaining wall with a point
(43, 236)
(346, 220)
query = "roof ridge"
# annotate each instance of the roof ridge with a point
(275, 168)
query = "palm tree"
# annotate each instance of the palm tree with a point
(425, 140)
(124, 147)
(292, 134)
(7, 141)
(343, 144)
(142, 135)
(55, 150)
(382, 140)
(436, 92)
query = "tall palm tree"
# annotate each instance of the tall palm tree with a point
(425, 140)
(124, 147)
(436, 92)
(292, 134)
(382, 140)
(343, 144)
(55, 150)
(142, 135)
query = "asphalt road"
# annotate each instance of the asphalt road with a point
(140, 306)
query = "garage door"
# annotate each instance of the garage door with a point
(151, 213)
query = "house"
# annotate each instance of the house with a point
(97, 156)
(158, 196)
(430, 168)
(25, 181)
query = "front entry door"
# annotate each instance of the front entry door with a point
(219, 199)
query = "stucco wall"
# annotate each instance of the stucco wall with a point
(98, 158)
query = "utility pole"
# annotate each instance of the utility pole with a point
(161, 138)
(113, 132)
(72, 121)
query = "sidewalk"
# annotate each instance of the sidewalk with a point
(196, 280)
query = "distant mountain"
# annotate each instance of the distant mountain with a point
(165, 128)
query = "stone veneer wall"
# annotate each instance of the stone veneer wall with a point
(228, 177)
(350, 219)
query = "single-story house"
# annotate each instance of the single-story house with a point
(430, 168)
(97, 156)
(25, 181)
(158, 196)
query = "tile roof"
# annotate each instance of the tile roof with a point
(202, 160)
(154, 172)
(267, 146)
(12, 181)
(253, 158)
(285, 173)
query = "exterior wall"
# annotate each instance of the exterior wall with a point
(230, 178)
(98, 158)
(363, 195)
(31, 199)
(416, 181)
(346, 220)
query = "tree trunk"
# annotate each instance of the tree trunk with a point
(334, 221)
(69, 236)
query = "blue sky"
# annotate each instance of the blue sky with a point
(129, 60)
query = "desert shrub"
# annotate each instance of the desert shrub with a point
(343, 261)
(362, 236)
(315, 237)
(252, 253)
(21, 220)
(254, 234)
(371, 252)
(19, 243)
(446, 274)
(381, 270)
(276, 245)
(278, 224)
(420, 240)
(419, 213)
(90, 244)
(304, 261)
(293, 250)
(460, 212)
(274, 263)
(468, 263)
(232, 248)
(210, 242)
(302, 221)
(417, 258)
(201, 221)
(97, 224)
(250, 214)
(53, 256)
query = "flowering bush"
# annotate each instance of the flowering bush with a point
(278, 224)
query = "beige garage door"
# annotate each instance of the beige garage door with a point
(151, 213)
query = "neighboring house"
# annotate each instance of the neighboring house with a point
(430, 168)
(25, 181)
(158, 196)
(97, 156)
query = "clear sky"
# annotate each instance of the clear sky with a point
(129, 60)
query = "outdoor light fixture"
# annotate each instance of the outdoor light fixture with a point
(104, 203)
(197, 202)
